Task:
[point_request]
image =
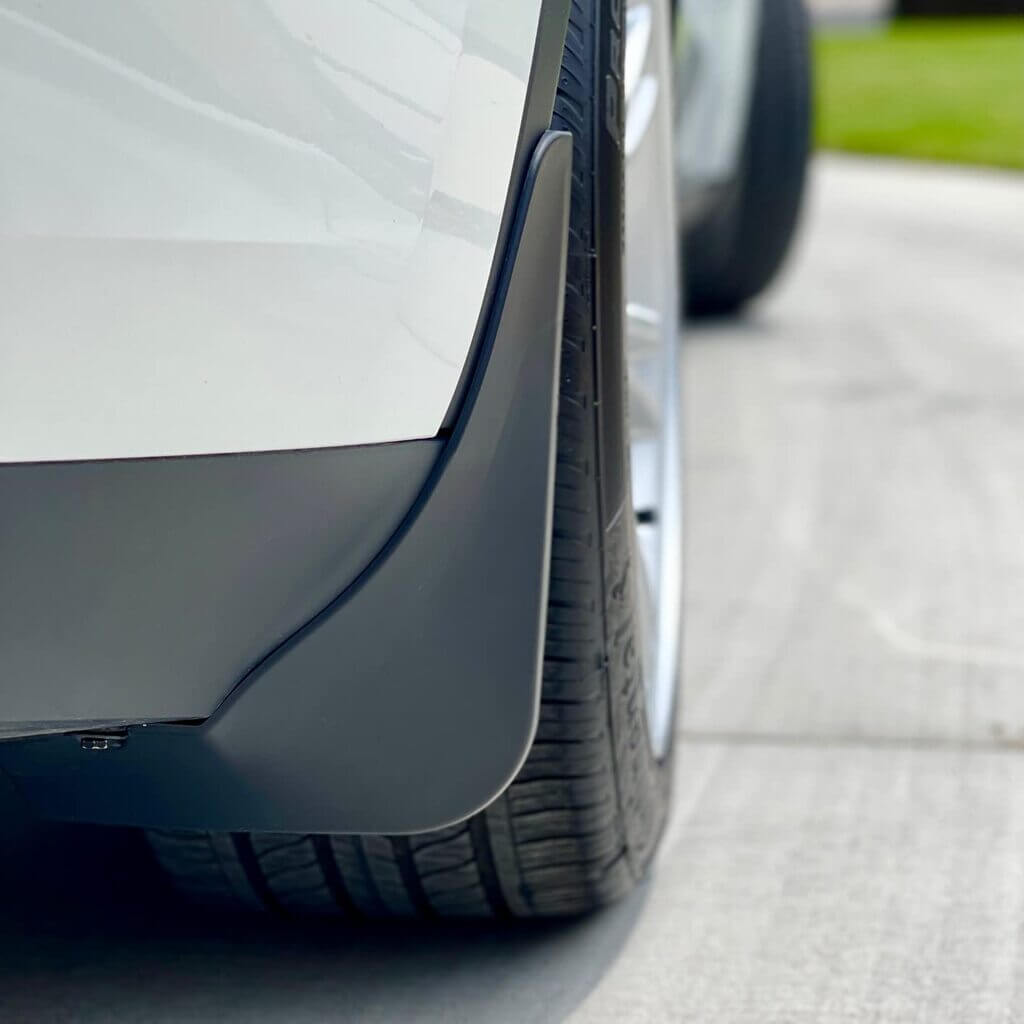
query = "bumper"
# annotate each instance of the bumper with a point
(410, 701)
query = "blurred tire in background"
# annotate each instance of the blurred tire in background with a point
(739, 243)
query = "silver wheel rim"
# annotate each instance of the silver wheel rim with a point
(652, 341)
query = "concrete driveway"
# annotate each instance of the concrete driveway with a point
(848, 836)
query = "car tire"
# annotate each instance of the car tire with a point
(579, 824)
(735, 249)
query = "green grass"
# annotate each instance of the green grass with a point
(943, 89)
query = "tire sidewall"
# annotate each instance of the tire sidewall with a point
(642, 780)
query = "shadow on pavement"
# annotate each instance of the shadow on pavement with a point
(89, 932)
(753, 324)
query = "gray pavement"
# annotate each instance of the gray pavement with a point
(848, 837)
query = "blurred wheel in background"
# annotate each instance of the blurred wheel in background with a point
(739, 239)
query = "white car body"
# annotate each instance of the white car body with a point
(235, 227)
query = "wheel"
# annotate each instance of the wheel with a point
(738, 246)
(579, 824)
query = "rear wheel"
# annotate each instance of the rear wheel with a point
(579, 824)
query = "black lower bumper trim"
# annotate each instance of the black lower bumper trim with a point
(143, 590)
